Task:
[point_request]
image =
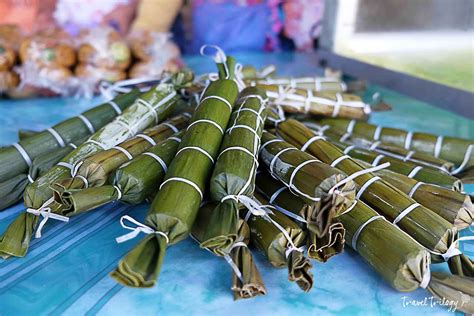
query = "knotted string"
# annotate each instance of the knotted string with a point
(45, 211)
(137, 229)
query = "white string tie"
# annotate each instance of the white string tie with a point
(338, 160)
(207, 121)
(438, 145)
(467, 156)
(414, 171)
(158, 159)
(361, 228)
(23, 153)
(405, 212)
(217, 98)
(147, 138)
(377, 160)
(219, 57)
(137, 229)
(124, 151)
(408, 140)
(150, 108)
(358, 174)
(189, 182)
(366, 185)
(115, 107)
(199, 149)
(310, 141)
(275, 140)
(119, 192)
(415, 187)
(171, 126)
(453, 249)
(378, 133)
(58, 137)
(45, 211)
(86, 122)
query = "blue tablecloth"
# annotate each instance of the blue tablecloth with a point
(66, 271)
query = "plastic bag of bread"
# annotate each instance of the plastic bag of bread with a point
(50, 48)
(103, 48)
(96, 74)
(156, 54)
(148, 45)
(8, 80)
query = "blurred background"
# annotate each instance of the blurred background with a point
(428, 39)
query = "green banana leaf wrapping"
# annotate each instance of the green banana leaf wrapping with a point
(11, 191)
(322, 248)
(249, 72)
(133, 183)
(294, 100)
(38, 195)
(455, 207)
(419, 158)
(25, 133)
(246, 279)
(306, 176)
(282, 242)
(325, 234)
(234, 171)
(13, 161)
(176, 205)
(319, 84)
(457, 150)
(95, 170)
(399, 260)
(407, 168)
(307, 214)
(428, 228)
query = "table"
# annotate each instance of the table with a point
(66, 271)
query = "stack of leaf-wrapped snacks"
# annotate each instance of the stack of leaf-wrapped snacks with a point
(428, 228)
(95, 169)
(17, 158)
(456, 150)
(233, 178)
(148, 109)
(325, 234)
(246, 279)
(227, 165)
(419, 158)
(455, 207)
(133, 182)
(282, 241)
(295, 100)
(175, 207)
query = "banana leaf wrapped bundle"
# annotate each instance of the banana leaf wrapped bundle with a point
(456, 150)
(419, 158)
(95, 170)
(11, 191)
(455, 207)
(325, 235)
(249, 72)
(133, 183)
(151, 107)
(282, 241)
(175, 207)
(428, 228)
(17, 158)
(410, 169)
(318, 84)
(307, 177)
(294, 100)
(399, 259)
(246, 279)
(233, 178)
